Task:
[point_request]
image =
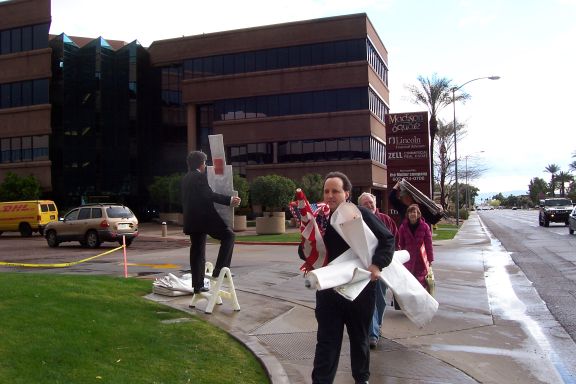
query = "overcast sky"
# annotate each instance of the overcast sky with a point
(521, 122)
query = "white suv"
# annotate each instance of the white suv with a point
(93, 224)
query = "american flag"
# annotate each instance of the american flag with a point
(313, 220)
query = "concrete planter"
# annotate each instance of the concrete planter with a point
(240, 223)
(272, 223)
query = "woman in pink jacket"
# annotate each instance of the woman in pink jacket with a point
(412, 234)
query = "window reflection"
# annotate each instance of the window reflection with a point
(344, 148)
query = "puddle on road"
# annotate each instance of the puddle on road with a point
(505, 302)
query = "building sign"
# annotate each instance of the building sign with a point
(408, 151)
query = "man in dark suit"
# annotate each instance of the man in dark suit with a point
(201, 219)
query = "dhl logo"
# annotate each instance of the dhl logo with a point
(15, 208)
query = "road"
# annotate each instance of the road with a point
(546, 255)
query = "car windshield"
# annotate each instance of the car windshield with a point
(558, 203)
(119, 212)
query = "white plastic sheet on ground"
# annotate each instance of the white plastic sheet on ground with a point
(348, 273)
(171, 285)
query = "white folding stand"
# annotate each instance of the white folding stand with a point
(216, 292)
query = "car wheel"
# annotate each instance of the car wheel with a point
(92, 240)
(52, 239)
(571, 231)
(25, 230)
(546, 222)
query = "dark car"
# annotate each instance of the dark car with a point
(554, 210)
(93, 224)
(572, 222)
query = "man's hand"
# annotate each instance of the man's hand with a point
(235, 202)
(374, 272)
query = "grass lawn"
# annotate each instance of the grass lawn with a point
(97, 329)
(293, 237)
(445, 232)
(442, 232)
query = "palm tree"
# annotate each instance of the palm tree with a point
(435, 93)
(562, 178)
(552, 169)
(572, 166)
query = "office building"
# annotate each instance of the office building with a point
(98, 117)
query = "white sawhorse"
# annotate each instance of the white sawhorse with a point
(216, 293)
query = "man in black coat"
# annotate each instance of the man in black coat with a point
(201, 219)
(333, 311)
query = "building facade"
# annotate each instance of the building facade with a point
(25, 73)
(91, 117)
(290, 99)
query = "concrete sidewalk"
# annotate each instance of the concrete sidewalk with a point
(491, 327)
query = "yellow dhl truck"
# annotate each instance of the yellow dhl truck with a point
(27, 217)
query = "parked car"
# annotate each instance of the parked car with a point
(572, 221)
(93, 224)
(554, 210)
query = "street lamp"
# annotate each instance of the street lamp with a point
(454, 89)
(468, 185)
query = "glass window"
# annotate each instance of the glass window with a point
(260, 58)
(16, 146)
(261, 106)
(5, 42)
(250, 61)
(316, 54)
(119, 212)
(218, 64)
(40, 147)
(273, 108)
(5, 97)
(305, 55)
(5, 148)
(27, 42)
(16, 40)
(27, 148)
(294, 56)
(250, 107)
(332, 149)
(27, 93)
(16, 94)
(41, 36)
(239, 109)
(283, 57)
(271, 59)
(283, 105)
(228, 67)
(96, 213)
(40, 91)
(239, 63)
(72, 215)
(208, 66)
(84, 213)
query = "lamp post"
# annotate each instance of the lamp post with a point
(454, 89)
(468, 185)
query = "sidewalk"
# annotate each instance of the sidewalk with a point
(481, 333)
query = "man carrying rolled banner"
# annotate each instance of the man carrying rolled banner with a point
(334, 311)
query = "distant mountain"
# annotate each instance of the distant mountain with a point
(488, 195)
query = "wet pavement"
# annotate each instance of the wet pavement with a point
(491, 326)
